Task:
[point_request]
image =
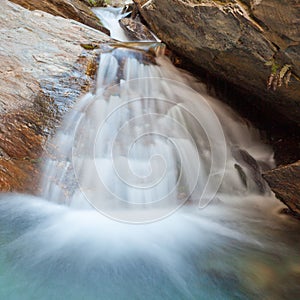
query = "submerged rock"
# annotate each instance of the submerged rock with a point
(69, 9)
(285, 182)
(43, 69)
(251, 44)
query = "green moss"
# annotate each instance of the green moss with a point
(274, 66)
(280, 73)
(96, 2)
(89, 46)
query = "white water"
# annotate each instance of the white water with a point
(150, 145)
(145, 137)
(110, 19)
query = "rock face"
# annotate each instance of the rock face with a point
(69, 9)
(285, 182)
(43, 69)
(253, 44)
(136, 30)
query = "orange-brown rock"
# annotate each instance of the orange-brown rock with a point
(43, 69)
(69, 9)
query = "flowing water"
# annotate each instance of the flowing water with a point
(153, 191)
(110, 19)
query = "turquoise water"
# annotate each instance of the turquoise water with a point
(221, 252)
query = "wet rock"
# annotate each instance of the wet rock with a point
(251, 44)
(254, 45)
(285, 182)
(136, 30)
(242, 174)
(43, 69)
(128, 8)
(69, 9)
(254, 168)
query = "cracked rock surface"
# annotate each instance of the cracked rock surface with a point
(252, 44)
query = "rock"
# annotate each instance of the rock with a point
(69, 9)
(43, 69)
(94, 3)
(136, 30)
(251, 44)
(254, 169)
(117, 3)
(285, 182)
(280, 20)
(128, 8)
(254, 45)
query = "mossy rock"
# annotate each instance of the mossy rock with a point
(94, 3)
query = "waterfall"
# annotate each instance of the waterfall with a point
(151, 138)
(109, 18)
(152, 190)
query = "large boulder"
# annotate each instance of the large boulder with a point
(69, 9)
(254, 45)
(44, 67)
(135, 30)
(285, 182)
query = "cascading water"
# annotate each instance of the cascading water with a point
(109, 18)
(150, 146)
(146, 138)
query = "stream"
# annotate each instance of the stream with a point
(153, 190)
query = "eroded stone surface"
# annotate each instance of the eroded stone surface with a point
(43, 69)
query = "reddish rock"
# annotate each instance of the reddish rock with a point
(43, 69)
(69, 9)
